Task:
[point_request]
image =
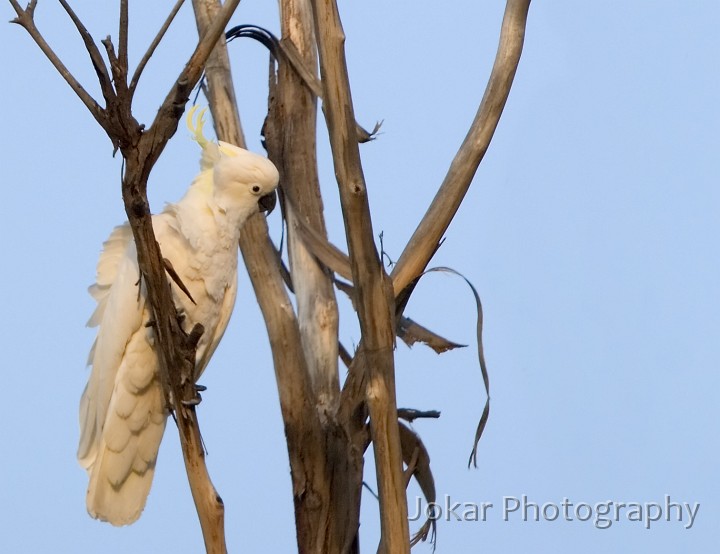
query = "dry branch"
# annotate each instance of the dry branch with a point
(417, 459)
(140, 150)
(140, 153)
(312, 450)
(153, 45)
(25, 18)
(373, 296)
(95, 56)
(326, 430)
(425, 239)
(123, 38)
(294, 116)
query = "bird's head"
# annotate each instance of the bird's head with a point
(243, 182)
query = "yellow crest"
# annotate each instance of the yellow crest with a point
(196, 126)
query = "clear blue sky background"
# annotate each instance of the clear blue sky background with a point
(591, 232)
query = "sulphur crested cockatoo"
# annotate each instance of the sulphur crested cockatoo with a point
(122, 410)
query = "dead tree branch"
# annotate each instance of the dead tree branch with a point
(373, 293)
(307, 447)
(25, 18)
(123, 38)
(95, 56)
(153, 45)
(326, 429)
(294, 107)
(140, 150)
(425, 239)
(149, 146)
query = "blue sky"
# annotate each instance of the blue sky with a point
(590, 232)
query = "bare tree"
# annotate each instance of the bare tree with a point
(328, 424)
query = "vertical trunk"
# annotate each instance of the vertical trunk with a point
(374, 299)
(326, 465)
(297, 111)
(327, 499)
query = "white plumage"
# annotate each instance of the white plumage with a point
(122, 412)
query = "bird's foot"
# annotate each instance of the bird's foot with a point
(194, 401)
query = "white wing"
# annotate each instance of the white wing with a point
(122, 414)
(226, 310)
(117, 275)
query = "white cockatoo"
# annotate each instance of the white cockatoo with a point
(122, 410)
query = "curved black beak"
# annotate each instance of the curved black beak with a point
(267, 203)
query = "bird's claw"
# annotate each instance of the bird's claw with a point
(197, 398)
(192, 402)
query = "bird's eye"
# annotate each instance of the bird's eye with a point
(256, 188)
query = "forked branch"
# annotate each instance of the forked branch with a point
(140, 150)
(26, 19)
(95, 56)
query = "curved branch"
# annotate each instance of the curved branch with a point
(425, 239)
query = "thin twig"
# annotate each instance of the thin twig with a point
(119, 75)
(110, 51)
(153, 45)
(25, 18)
(411, 414)
(95, 56)
(123, 37)
(345, 356)
(436, 220)
(369, 488)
